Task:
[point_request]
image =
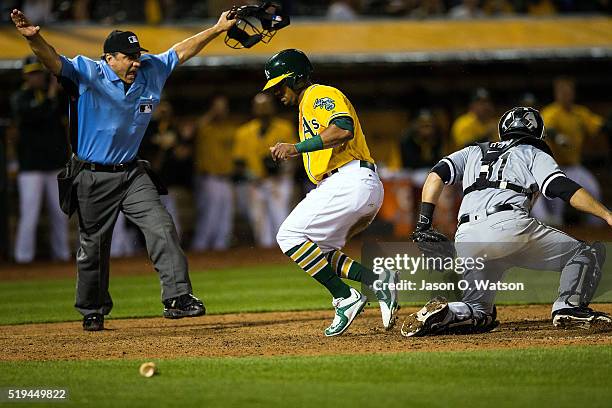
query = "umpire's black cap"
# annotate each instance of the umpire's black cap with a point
(125, 42)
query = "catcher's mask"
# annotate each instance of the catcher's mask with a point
(255, 24)
(521, 121)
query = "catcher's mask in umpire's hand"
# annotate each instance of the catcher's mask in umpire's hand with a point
(520, 122)
(255, 24)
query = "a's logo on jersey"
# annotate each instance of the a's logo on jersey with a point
(307, 128)
(324, 103)
(267, 74)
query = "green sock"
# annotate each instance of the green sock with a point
(348, 268)
(309, 257)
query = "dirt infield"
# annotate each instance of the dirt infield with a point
(271, 334)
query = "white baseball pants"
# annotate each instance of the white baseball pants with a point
(33, 185)
(268, 207)
(342, 205)
(215, 208)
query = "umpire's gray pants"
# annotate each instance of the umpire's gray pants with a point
(101, 196)
(514, 239)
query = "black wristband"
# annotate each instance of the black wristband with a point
(425, 216)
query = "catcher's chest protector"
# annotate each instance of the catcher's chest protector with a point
(491, 153)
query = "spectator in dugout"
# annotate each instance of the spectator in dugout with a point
(421, 146)
(477, 125)
(269, 185)
(42, 150)
(213, 185)
(466, 9)
(168, 146)
(569, 126)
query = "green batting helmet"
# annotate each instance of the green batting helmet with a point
(290, 65)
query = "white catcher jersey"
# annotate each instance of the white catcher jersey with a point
(524, 165)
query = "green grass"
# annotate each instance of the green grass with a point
(558, 377)
(252, 289)
(261, 288)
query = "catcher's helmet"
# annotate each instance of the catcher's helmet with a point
(521, 121)
(255, 24)
(291, 66)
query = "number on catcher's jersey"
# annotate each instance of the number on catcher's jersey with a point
(320, 105)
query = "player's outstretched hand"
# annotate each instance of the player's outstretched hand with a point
(226, 21)
(283, 151)
(23, 25)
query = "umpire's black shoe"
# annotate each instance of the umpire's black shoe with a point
(93, 322)
(579, 317)
(183, 306)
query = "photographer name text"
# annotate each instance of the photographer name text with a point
(408, 285)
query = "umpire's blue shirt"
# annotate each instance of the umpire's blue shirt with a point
(111, 123)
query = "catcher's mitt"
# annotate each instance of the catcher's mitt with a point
(255, 24)
(433, 243)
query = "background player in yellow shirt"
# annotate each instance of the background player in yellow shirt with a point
(570, 126)
(476, 125)
(213, 185)
(349, 192)
(269, 186)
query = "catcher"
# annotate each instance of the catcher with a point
(501, 182)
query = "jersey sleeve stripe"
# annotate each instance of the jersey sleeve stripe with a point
(336, 115)
(453, 171)
(548, 179)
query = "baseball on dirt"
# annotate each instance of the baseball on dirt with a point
(147, 369)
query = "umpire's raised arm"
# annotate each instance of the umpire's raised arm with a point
(43, 50)
(185, 49)
(191, 46)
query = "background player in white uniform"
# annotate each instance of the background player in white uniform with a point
(348, 194)
(494, 219)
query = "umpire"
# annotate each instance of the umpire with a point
(116, 98)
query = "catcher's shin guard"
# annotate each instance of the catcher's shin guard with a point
(581, 275)
(478, 323)
(434, 318)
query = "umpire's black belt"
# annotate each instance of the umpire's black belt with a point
(109, 168)
(490, 211)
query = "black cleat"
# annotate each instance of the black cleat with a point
(579, 317)
(93, 322)
(183, 306)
